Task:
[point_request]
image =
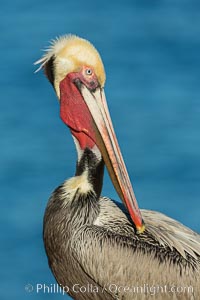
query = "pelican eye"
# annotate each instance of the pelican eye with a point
(88, 71)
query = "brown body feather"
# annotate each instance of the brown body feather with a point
(96, 244)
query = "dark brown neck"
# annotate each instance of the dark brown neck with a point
(95, 168)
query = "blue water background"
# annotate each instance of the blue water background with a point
(151, 52)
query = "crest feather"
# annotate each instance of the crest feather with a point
(53, 49)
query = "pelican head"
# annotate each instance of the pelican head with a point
(75, 69)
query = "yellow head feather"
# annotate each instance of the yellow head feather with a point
(70, 53)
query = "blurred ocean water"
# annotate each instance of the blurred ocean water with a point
(151, 52)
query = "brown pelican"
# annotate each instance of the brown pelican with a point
(96, 248)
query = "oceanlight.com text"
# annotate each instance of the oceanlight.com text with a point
(43, 288)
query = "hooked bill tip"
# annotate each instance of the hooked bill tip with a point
(140, 229)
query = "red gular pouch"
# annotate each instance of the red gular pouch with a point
(75, 113)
